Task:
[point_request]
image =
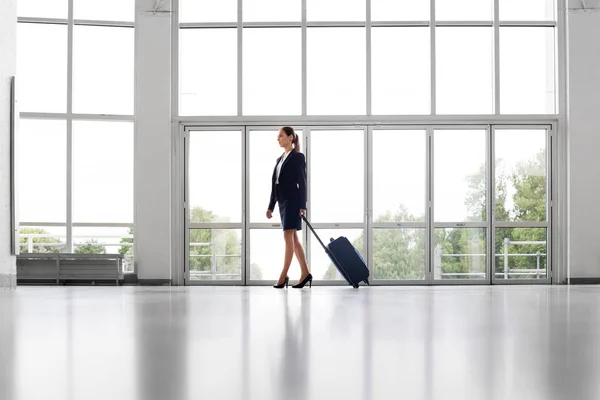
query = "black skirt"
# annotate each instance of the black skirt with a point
(289, 210)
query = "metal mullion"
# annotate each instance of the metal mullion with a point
(49, 21)
(342, 225)
(216, 225)
(429, 208)
(186, 201)
(240, 59)
(304, 59)
(549, 203)
(367, 237)
(41, 224)
(102, 225)
(272, 24)
(370, 226)
(464, 24)
(532, 126)
(369, 59)
(508, 282)
(399, 225)
(207, 25)
(521, 224)
(399, 24)
(69, 186)
(496, 57)
(398, 282)
(491, 202)
(532, 24)
(460, 225)
(114, 24)
(336, 24)
(264, 225)
(432, 56)
(36, 115)
(245, 251)
(307, 151)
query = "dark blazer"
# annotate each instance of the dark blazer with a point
(292, 180)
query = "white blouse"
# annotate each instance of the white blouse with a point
(279, 166)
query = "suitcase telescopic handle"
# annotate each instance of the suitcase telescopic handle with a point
(315, 233)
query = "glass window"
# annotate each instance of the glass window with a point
(215, 176)
(272, 71)
(267, 248)
(465, 70)
(103, 70)
(530, 10)
(336, 10)
(460, 253)
(398, 254)
(336, 81)
(399, 175)
(43, 239)
(208, 11)
(215, 254)
(394, 10)
(521, 253)
(42, 67)
(460, 178)
(337, 197)
(103, 240)
(102, 172)
(42, 8)
(106, 10)
(401, 71)
(272, 10)
(521, 175)
(464, 10)
(208, 71)
(527, 74)
(42, 171)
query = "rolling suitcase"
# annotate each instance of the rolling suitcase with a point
(346, 258)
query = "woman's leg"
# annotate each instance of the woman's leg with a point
(288, 236)
(299, 250)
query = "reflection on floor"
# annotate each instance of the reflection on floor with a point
(320, 343)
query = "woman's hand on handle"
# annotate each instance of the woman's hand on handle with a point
(302, 212)
(269, 214)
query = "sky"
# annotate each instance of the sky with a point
(336, 72)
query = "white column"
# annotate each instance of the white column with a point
(584, 142)
(8, 67)
(152, 143)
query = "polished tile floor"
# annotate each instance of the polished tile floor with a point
(66, 343)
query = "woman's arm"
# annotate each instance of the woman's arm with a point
(301, 179)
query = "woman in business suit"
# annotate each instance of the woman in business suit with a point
(288, 188)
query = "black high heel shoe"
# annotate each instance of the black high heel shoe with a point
(306, 280)
(284, 284)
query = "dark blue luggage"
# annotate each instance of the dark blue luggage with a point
(346, 258)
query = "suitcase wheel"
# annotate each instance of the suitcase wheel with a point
(367, 282)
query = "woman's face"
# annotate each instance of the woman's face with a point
(283, 139)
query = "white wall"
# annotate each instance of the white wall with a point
(8, 62)
(584, 143)
(152, 175)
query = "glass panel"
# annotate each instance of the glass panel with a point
(42, 9)
(336, 10)
(42, 171)
(105, 240)
(399, 254)
(530, 10)
(208, 71)
(264, 151)
(337, 197)
(401, 87)
(215, 176)
(43, 239)
(42, 89)
(215, 254)
(394, 10)
(272, 10)
(521, 253)
(208, 11)
(521, 175)
(319, 263)
(459, 253)
(103, 70)
(465, 70)
(107, 10)
(527, 74)
(464, 10)
(399, 175)
(336, 83)
(460, 177)
(267, 251)
(102, 171)
(272, 86)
